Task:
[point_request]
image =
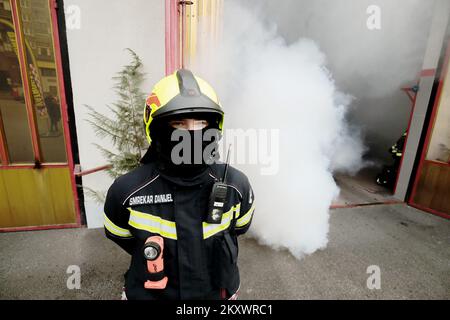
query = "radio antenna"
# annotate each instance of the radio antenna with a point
(224, 179)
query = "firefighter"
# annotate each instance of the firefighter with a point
(388, 174)
(166, 203)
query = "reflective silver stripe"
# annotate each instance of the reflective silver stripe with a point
(214, 177)
(237, 210)
(211, 229)
(230, 185)
(123, 203)
(242, 221)
(114, 229)
(152, 223)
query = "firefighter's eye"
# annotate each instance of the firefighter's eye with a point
(189, 124)
(198, 124)
(177, 124)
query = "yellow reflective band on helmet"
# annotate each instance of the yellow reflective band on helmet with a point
(164, 91)
(152, 223)
(242, 221)
(208, 91)
(211, 229)
(114, 229)
(167, 89)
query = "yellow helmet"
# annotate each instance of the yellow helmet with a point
(180, 93)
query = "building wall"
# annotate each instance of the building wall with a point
(96, 44)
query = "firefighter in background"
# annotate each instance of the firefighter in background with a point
(388, 175)
(160, 212)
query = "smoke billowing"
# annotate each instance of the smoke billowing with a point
(266, 84)
(371, 65)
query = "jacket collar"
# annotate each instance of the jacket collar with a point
(201, 178)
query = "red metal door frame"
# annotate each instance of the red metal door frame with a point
(428, 139)
(62, 93)
(31, 116)
(172, 37)
(3, 148)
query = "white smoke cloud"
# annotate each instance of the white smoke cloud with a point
(264, 83)
(371, 65)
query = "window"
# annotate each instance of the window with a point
(43, 76)
(8, 47)
(30, 126)
(6, 6)
(13, 112)
(47, 72)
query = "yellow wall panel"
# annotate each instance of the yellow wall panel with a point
(34, 197)
(5, 214)
(63, 205)
(433, 187)
(17, 199)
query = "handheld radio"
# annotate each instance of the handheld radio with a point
(218, 196)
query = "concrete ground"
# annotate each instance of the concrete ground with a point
(361, 189)
(412, 249)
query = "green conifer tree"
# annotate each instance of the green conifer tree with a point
(123, 125)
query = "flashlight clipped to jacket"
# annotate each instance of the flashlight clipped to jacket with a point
(153, 253)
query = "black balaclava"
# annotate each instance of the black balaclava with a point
(162, 145)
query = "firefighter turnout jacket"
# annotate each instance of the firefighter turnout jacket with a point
(397, 149)
(200, 259)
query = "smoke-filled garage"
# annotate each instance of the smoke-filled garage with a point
(390, 65)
